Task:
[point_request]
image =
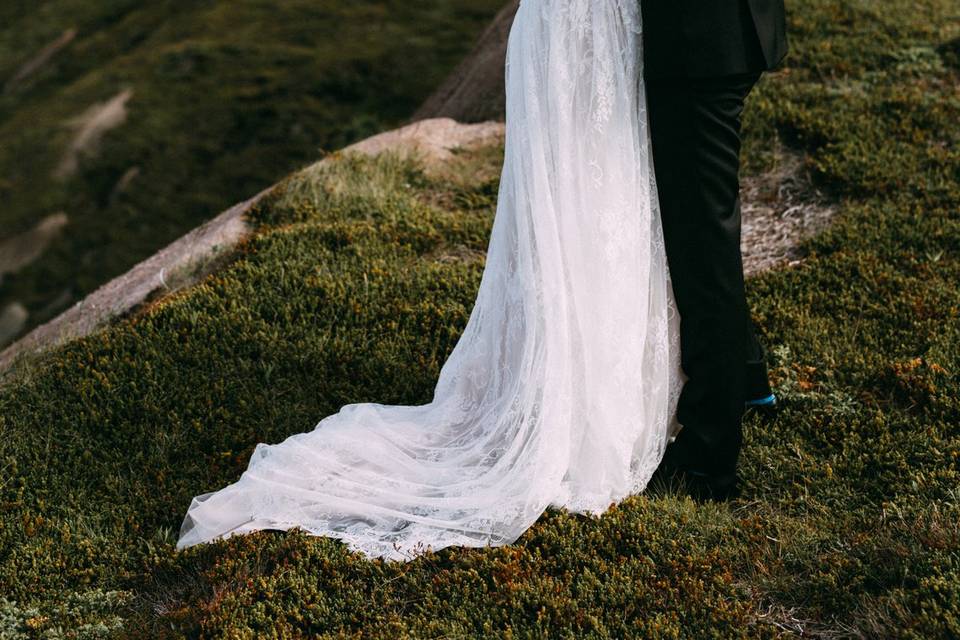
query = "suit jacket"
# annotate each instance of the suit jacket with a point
(709, 38)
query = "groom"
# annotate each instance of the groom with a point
(701, 59)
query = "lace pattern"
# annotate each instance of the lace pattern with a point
(562, 388)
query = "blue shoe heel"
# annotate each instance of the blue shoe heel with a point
(769, 401)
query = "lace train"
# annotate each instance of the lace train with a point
(562, 389)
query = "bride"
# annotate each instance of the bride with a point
(562, 389)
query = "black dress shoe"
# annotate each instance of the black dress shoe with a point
(675, 471)
(703, 487)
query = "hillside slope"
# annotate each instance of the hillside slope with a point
(355, 285)
(137, 121)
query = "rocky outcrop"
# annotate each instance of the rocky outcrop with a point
(179, 264)
(433, 140)
(474, 91)
(194, 255)
(20, 250)
(89, 128)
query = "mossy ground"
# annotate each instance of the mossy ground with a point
(228, 97)
(356, 288)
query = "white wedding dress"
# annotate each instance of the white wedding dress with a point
(562, 389)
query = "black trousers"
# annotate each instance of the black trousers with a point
(695, 128)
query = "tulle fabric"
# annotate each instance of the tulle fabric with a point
(562, 388)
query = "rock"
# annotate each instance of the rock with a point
(193, 256)
(90, 127)
(19, 251)
(433, 139)
(181, 263)
(474, 91)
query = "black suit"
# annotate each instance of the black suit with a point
(701, 59)
(710, 38)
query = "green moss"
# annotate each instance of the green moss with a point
(227, 98)
(356, 286)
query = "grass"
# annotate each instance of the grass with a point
(356, 286)
(228, 97)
